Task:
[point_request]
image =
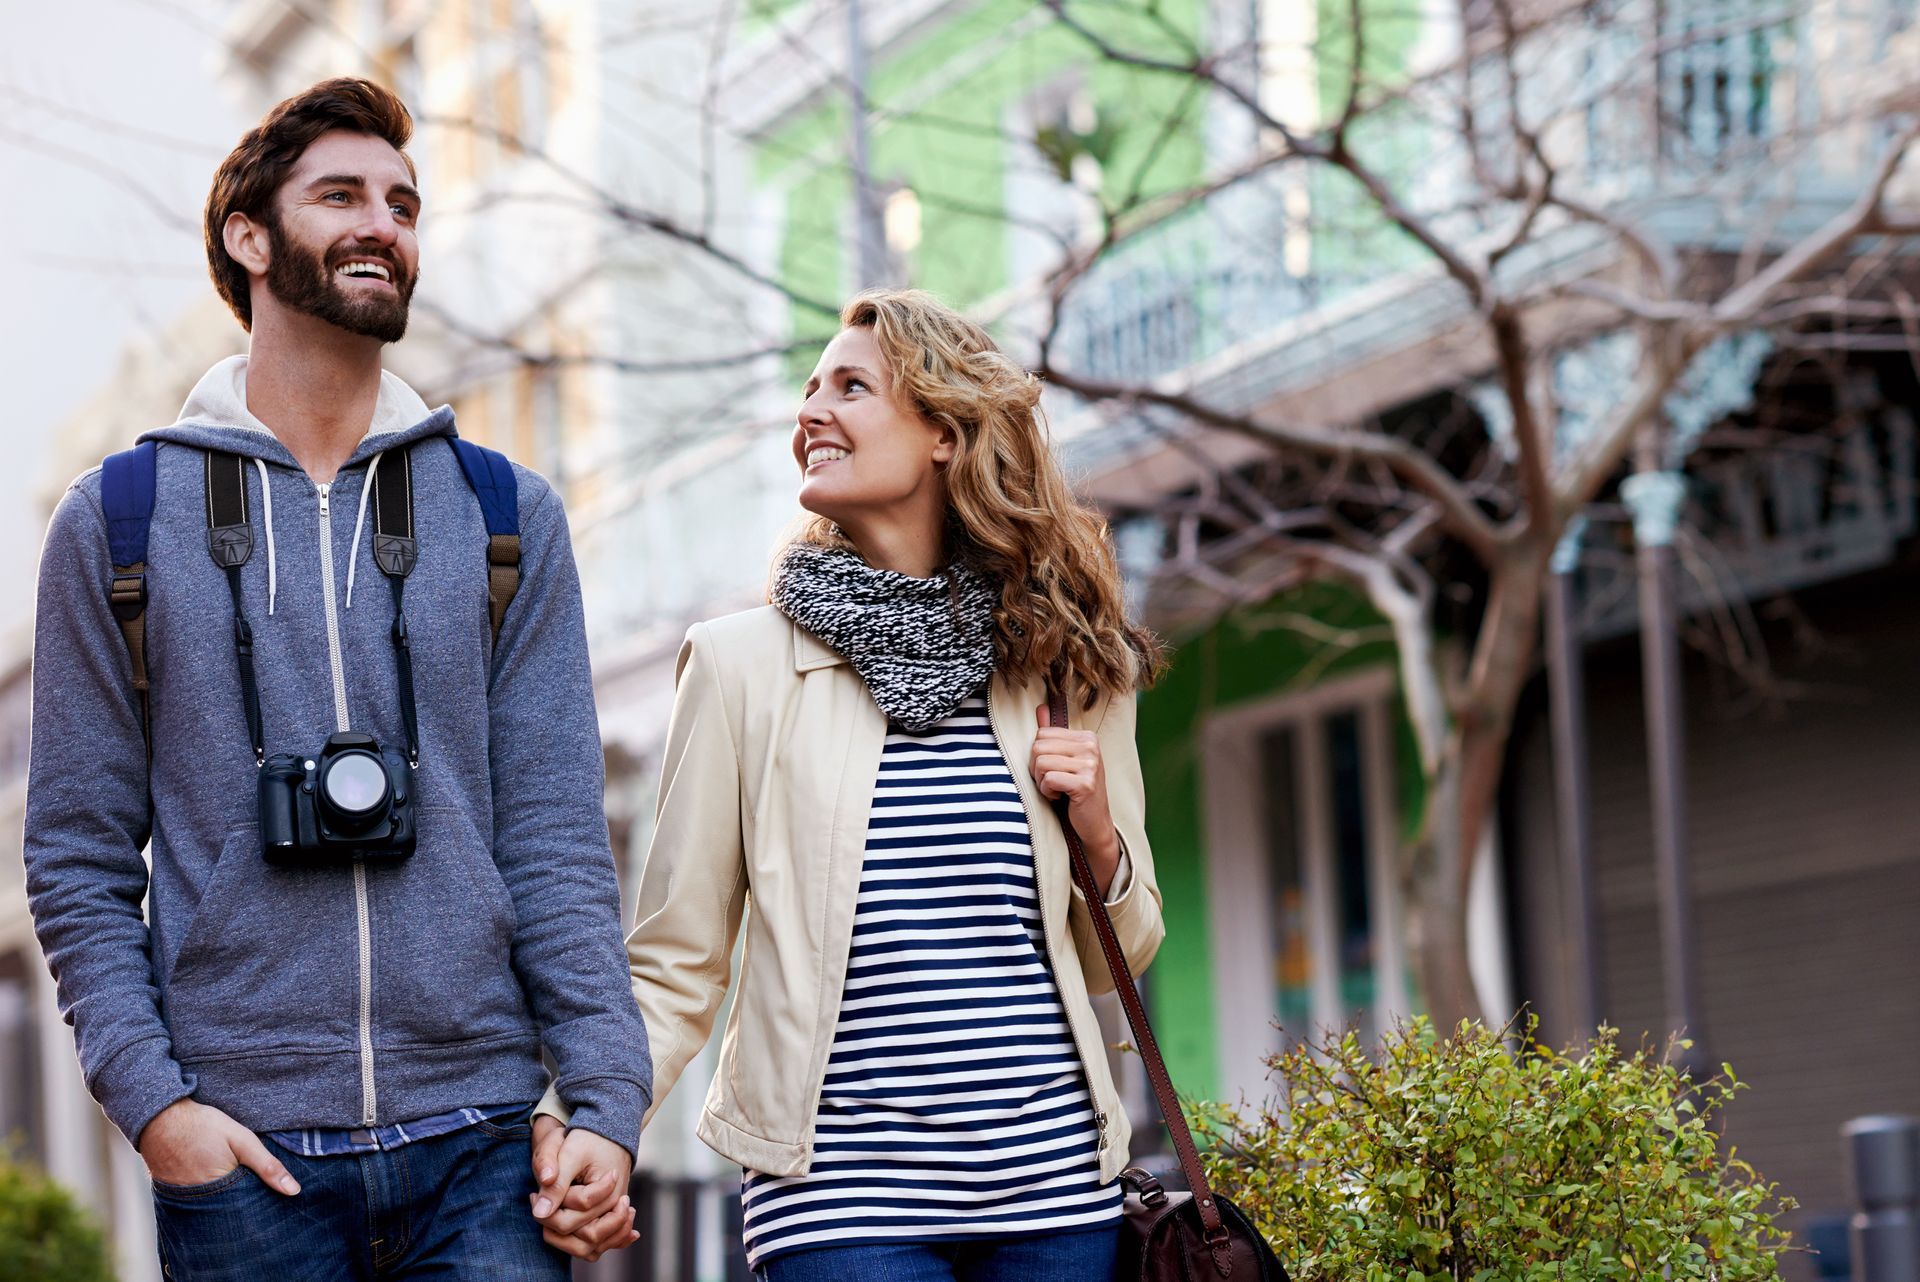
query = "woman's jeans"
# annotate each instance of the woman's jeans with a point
(453, 1206)
(1082, 1256)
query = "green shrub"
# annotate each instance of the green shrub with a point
(1456, 1159)
(45, 1236)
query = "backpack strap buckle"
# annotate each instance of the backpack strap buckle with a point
(503, 577)
(128, 593)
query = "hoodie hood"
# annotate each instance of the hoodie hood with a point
(216, 417)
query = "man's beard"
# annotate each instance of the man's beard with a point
(305, 281)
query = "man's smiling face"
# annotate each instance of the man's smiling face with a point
(344, 236)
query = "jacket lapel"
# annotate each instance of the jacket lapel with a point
(811, 653)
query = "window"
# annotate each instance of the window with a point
(1717, 70)
(1301, 851)
(1286, 889)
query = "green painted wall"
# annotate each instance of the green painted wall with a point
(1352, 241)
(940, 128)
(941, 105)
(1250, 655)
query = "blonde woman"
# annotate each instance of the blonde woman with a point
(911, 1075)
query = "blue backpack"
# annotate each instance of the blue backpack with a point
(127, 482)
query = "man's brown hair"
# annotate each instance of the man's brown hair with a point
(251, 175)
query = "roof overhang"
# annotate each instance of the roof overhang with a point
(1382, 346)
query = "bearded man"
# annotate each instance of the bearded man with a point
(379, 885)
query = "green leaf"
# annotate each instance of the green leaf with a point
(1452, 1157)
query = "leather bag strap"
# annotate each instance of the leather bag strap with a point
(1129, 994)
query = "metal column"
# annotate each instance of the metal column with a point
(1566, 682)
(1656, 498)
(870, 235)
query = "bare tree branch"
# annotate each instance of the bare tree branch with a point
(1462, 518)
(1861, 218)
(629, 215)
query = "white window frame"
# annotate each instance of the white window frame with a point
(1244, 937)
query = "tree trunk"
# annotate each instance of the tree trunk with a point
(1437, 904)
(1463, 789)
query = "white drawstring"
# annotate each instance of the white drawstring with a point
(266, 503)
(359, 518)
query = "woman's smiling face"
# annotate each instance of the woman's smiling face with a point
(860, 451)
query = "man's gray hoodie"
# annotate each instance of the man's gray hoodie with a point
(336, 996)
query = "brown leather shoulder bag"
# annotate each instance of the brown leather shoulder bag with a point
(1166, 1237)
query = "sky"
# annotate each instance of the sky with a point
(112, 119)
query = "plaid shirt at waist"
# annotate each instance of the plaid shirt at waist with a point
(315, 1142)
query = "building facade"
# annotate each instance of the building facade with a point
(1279, 760)
(639, 232)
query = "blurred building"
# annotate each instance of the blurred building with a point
(1279, 764)
(583, 161)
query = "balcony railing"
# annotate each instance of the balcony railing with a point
(1721, 68)
(1142, 322)
(1728, 80)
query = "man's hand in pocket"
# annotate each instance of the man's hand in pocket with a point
(189, 1143)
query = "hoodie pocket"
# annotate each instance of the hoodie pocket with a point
(443, 942)
(267, 962)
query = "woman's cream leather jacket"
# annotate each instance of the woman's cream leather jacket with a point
(770, 765)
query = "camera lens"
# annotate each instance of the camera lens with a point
(354, 784)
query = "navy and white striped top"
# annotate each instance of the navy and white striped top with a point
(955, 1105)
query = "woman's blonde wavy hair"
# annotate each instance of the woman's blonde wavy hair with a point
(1010, 512)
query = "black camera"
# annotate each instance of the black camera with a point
(353, 801)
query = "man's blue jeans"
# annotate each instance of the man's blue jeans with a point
(454, 1206)
(1082, 1256)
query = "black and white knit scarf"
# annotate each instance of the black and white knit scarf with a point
(921, 645)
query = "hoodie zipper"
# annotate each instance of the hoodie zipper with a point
(362, 915)
(1040, 901)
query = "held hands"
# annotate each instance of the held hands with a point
(190, 1143)
(582, 1201)
(1066, 763)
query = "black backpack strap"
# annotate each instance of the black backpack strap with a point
(230, 543)
(491, 477)
(395, 550)
(126, 500)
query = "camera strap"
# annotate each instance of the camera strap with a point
(395, 551)
(230, 542)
